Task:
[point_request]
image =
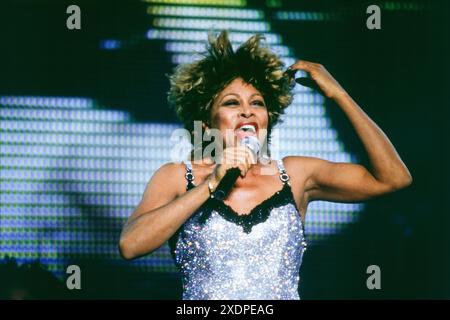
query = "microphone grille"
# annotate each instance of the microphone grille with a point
(252, 143)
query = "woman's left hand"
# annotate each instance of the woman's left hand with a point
(324, 80)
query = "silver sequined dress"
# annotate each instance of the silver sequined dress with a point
(225, 256)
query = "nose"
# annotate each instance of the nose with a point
(246, 110)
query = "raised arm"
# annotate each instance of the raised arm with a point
(349, 182)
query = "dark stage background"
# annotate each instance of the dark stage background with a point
(84, 124)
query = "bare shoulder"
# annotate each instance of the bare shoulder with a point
(170, 176)
(301, 168)
(166, 184)
(171, 167)
(302, 164)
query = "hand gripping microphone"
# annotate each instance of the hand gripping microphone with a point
(226, 184)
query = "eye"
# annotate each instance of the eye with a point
(259, 103)
(231, 102)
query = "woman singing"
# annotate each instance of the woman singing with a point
(250, 244)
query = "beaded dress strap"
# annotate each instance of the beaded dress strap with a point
(189, 175)
(284, 177)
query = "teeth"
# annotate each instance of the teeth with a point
(248, 127)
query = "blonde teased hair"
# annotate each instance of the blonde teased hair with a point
(194, 86)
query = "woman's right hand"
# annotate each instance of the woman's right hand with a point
(233, 157)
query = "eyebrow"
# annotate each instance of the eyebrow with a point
(238, 96)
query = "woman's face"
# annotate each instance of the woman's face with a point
(239, 111)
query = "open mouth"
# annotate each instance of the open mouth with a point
(244, 129)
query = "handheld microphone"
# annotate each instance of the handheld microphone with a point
(226, 184)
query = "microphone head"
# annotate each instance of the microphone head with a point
(252, 143)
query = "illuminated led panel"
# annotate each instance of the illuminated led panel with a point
(206, 12)
(207, 24)
(190, 47)
(304, 16)
(70, 176)
(71, 172)
(234, 3)
(47, 102)
(402, 6)
(193, 35)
